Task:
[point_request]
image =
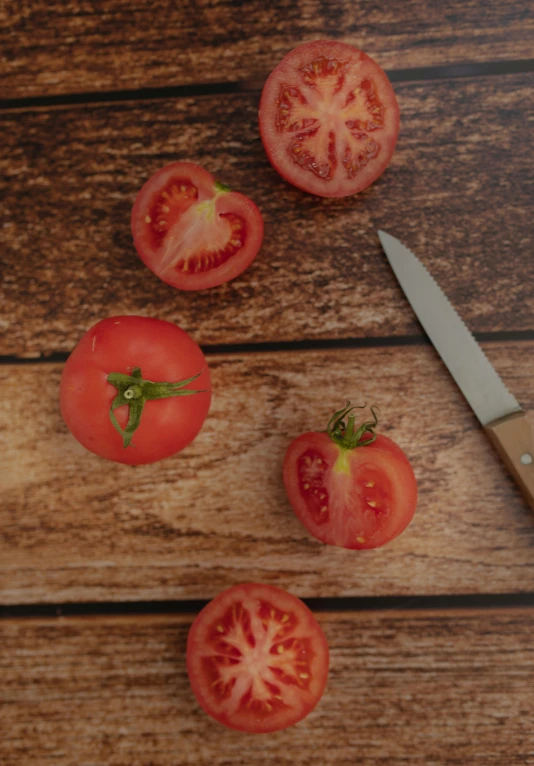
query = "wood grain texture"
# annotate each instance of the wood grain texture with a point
(52, 47)
(438, 689)
(77, 528)
(458, 193)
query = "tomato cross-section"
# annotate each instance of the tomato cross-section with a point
(350, 487)
(193, 232)
(329, 119)
(257, 658)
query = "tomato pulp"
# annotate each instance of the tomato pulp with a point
(329, 119)
(359, 496)
(257, 659)
(135, 390)
(193, 232)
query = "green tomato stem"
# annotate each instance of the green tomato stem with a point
(134, 392)
(342, 429)
(221, 188)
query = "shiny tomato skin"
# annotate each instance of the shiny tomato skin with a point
(282, 643)
(165, 353)
(360, 498)
(330, 132)
(191, 232)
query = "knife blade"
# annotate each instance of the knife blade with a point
(497, 409)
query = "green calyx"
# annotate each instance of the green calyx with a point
(343, 431)
(134, 392)
(221, 188)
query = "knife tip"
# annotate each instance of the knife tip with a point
(383, 235)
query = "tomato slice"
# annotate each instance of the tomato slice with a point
(352, 496)
(257, 659)
(329, 119)
(193, 232)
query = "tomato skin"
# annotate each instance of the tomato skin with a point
(331, 493)
(164, 352)
(199, 218)
(265, 605)
(349, 154)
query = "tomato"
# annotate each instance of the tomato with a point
(349, 486)
(257, 658)
(192, 231)
(329, 119)
(135, 389)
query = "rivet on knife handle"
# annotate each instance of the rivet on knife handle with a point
(513, 438)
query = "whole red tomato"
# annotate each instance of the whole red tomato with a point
(257, 658)
(349, 486)
(192, 231)
(329, 118)
(135, 390)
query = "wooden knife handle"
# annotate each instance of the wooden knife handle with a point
(513, 438)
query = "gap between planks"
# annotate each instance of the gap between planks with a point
(399, 606)
(303, 345)
(417, 74)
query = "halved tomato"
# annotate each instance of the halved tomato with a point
(329, 119)
(349, 486)
(257, 658)
(192, 231)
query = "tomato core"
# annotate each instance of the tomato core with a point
(259, 645)
(355, 114)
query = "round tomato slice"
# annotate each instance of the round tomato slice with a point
(193, 232)
(329, 119)
(350, 487)
(257, 658)
(135, 390)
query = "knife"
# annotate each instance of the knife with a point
(496, 408)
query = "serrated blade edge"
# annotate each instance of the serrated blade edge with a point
(469, 366)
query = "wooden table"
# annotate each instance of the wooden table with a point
(102, 566)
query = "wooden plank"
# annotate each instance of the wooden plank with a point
(77, 528)
(71, 47)
(458, 193)
(436, 688)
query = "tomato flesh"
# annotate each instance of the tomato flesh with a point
(192, 232)
(257, 659)
(168, 206)
(359, 498)
(329, 119)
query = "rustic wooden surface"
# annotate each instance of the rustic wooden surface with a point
(83, 126)
(458, 192)
(435, 688)
(53, 47)
(79, 528)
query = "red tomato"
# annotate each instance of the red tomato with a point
(329, 119)
(348, 486)
(135, 390)
(257, 658)
(193, 232)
